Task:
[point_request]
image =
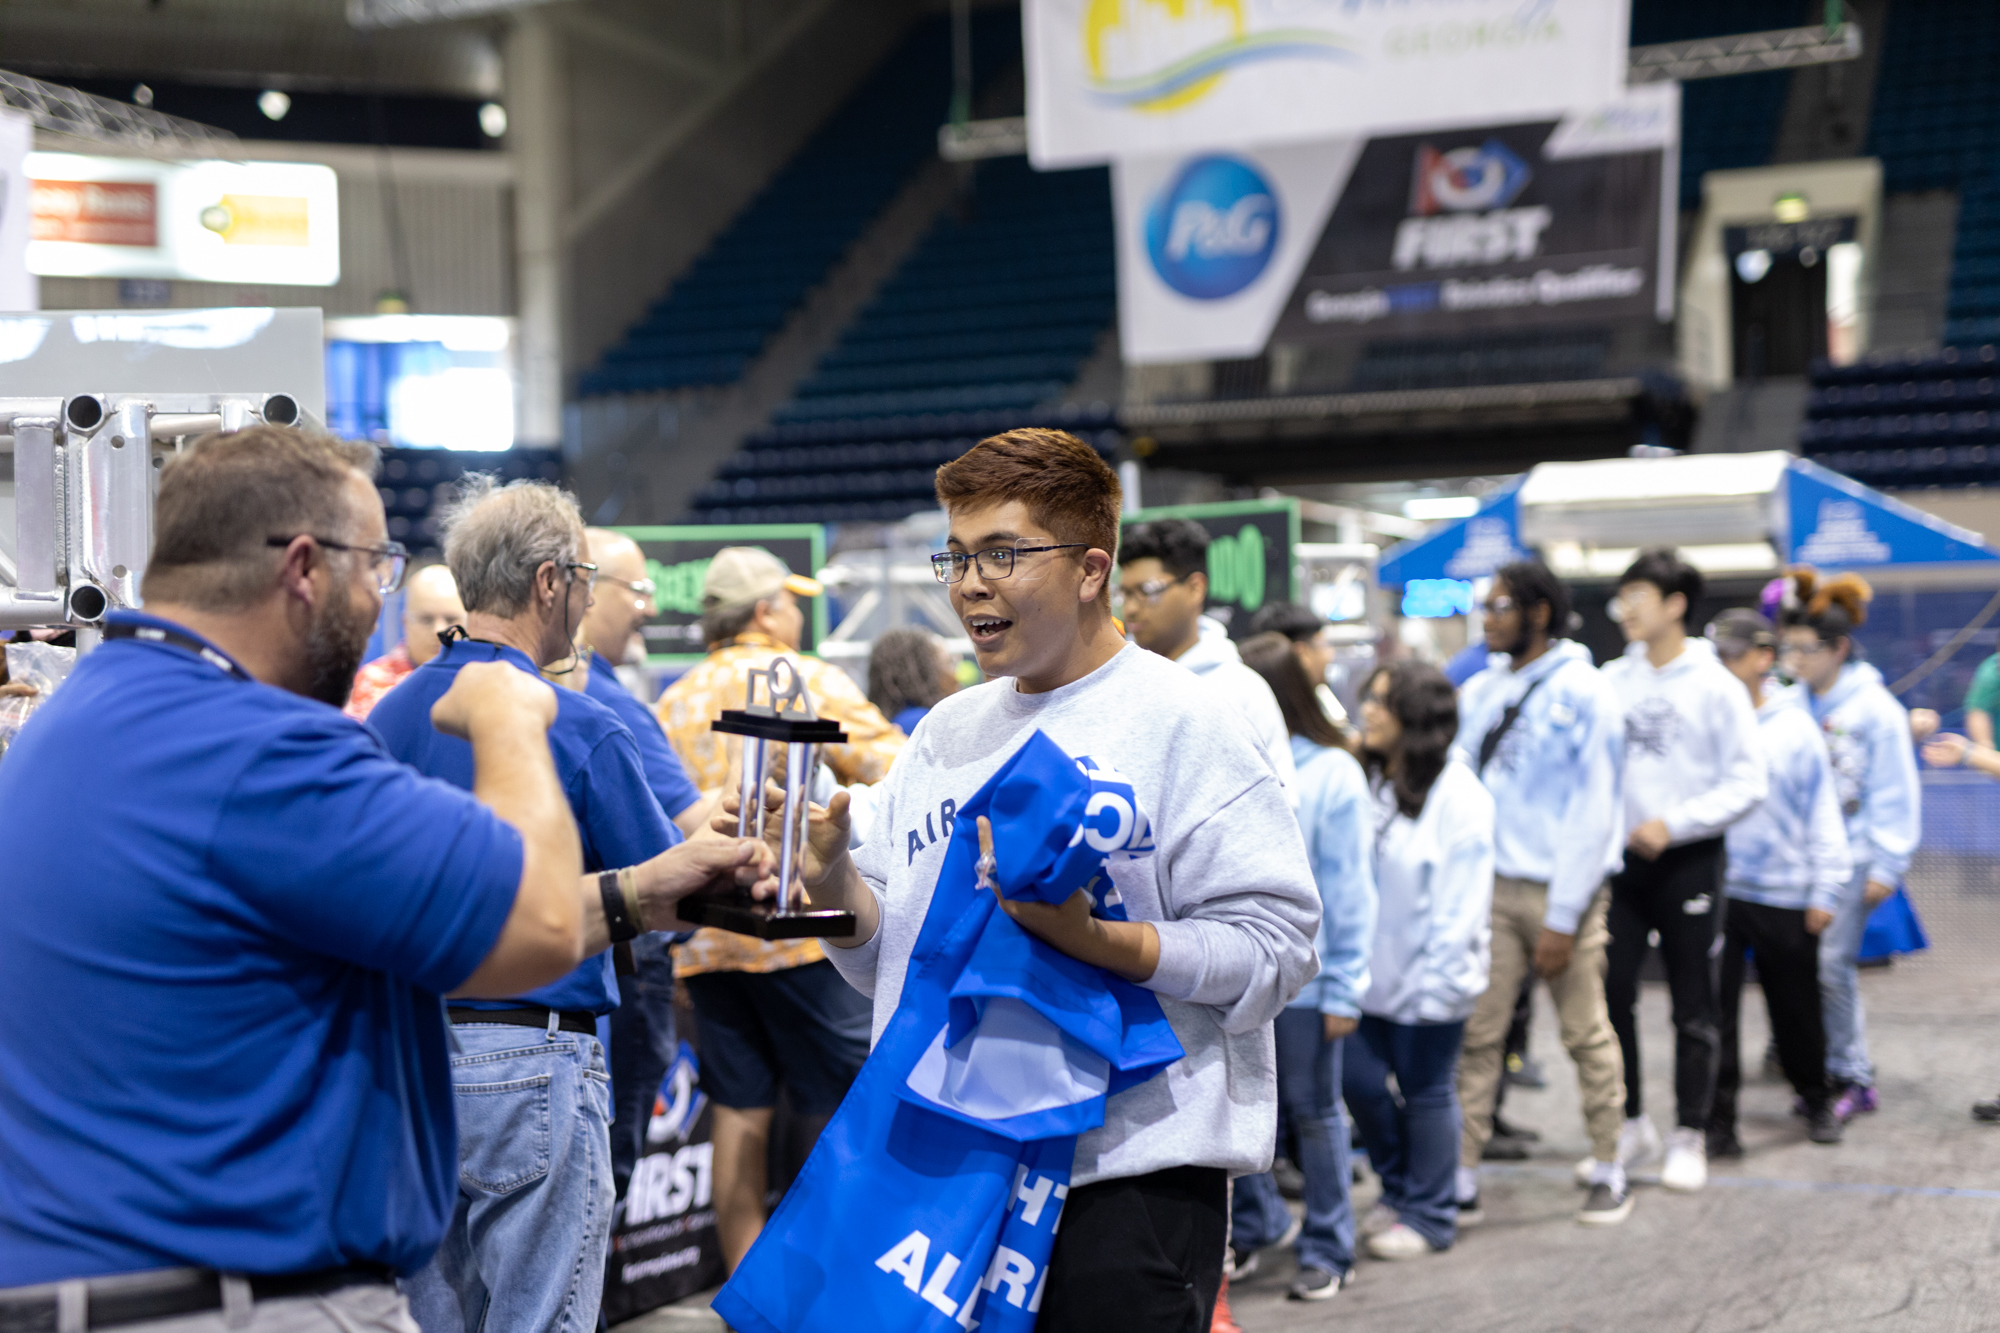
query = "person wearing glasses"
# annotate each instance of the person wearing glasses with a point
(1875, 771)
(229, 915)
(643, 1040)
(526, 1244)
(769, 1012)
(1162, 588)
(430, 607)
(1694, 765)
(1222, 917)
(1544, 732)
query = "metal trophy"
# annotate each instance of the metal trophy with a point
(786, 718)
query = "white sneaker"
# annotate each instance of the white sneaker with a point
(1377, 1220)
(1686, 1169)
(1638, 1141)
(1398, 1242)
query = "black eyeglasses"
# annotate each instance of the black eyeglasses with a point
(391, 558)
(589, 571)
(998, 563)
(1149, 590)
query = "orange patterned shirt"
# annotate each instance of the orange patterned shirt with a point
(376, 679)
(717, 682)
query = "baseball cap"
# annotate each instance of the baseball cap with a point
(740, 574)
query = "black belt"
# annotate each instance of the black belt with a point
(526, 1016)
(132, 1298)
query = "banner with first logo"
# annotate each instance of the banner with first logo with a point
(1112, 78)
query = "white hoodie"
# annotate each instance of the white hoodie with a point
(1693, 759)
(1434, 874)
(1214, 658)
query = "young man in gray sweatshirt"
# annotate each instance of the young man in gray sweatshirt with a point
(1222, 916)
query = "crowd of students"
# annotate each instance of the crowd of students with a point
(1748, 793)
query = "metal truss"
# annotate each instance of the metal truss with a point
(398, 13)
(1744, 53)
(81, 115)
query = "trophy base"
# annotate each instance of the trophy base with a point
(764, 920)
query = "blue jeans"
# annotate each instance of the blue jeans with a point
(525, 1248)
(1412, 1141)
(1840, 988)
(1309, 1093)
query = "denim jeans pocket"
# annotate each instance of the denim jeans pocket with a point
(503, 1133)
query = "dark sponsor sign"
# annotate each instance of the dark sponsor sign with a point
(1249, 554)
(677, 561)
(1454, 232)
(664, 1245)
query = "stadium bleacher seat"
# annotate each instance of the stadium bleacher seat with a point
(1908, 419)
(987, 321)
(722, 310)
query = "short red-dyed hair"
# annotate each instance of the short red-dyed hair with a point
(1063, 482)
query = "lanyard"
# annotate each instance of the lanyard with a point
(185, 642)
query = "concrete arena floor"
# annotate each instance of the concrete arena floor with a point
(1896, 1229)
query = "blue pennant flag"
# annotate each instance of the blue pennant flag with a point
(931, 1200)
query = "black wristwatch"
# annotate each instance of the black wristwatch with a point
(616, 919)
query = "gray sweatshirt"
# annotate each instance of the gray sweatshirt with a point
(1229, 890)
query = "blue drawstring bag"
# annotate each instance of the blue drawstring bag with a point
(932, 1197)
(1893, 928)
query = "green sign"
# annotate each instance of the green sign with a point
(1249, 554)
(677, 562)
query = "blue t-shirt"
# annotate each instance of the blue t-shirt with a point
(597, 762)
(664, 773)
(226, 916)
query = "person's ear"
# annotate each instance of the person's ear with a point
(1096, 575)
(1679, 612)
(296, 566)
(1540, 618)
(1197, 583)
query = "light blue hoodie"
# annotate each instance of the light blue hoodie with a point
(1791, 851)
(1875, 770)
(1334, 809)
(1434, 878)
(1559, 817)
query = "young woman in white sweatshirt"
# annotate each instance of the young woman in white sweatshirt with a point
(1433, 855)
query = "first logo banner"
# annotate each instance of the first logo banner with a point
(1111, 78)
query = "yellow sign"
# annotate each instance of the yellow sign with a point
(259, 219)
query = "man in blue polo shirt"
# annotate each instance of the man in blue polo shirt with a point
(643, 1040)
(227, 917)
(525, 1248)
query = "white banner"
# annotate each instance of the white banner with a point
(204, 221)
(19, 289)
(1107, 78)
(1488, 227)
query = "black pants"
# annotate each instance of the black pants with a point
(1140, 1253)
(1680, 896)
(1788, 969)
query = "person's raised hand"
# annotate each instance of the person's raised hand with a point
(1924, 723)
(827, 829)
(721, 864)
(488, 693)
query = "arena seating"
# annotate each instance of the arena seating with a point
(993, 315)
(868, 470)
(1908, 419)
(720, 312)
(414, 482)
